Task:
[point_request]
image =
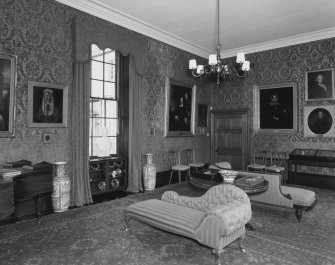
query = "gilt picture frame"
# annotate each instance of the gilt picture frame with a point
(275, 108)
(319, 121)
(8, 75)
(47, 105)
(179, 108)
(319, 85)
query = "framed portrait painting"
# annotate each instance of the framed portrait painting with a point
(7, 95)
(47, 105)
(319, 85)
(179, 108)
(275, 108)
(319, 121)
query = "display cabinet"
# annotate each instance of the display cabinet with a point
(108, 174)
(312, 158)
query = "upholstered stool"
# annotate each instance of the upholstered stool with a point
(302, 199)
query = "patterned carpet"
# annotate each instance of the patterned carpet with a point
(95, 235)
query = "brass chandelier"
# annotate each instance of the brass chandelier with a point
(216, 65)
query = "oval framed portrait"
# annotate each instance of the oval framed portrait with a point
(319, 121)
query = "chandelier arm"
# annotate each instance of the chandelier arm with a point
(194, 74)
(220, 69)
(210, 70)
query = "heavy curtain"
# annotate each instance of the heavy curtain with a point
(86, 31)
(80, 191)
(134, 176)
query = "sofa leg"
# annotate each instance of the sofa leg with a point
(240, 244)
(217, 254)
(126, 220)
(298, 214)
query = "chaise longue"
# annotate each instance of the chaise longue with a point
(214, 219)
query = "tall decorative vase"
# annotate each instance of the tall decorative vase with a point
(60, 196)
(149, 173)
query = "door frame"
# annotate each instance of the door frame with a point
(246, 112)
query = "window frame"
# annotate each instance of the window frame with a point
(104, 118)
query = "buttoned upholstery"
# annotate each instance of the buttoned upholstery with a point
(214, 219)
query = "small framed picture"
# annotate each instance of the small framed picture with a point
(319, 121)
(47, 105)
(47, 138)
(319, 85)
(202, 115)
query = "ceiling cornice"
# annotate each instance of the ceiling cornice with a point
(122, 19)
(298, 39)
(115, 16)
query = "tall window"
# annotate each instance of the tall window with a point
(103, 137)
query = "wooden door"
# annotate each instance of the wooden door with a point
(230, 137)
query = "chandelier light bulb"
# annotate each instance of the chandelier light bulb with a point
(200, 69)
(246, 66)
(240, 58)
(212, 60)
(192, 64)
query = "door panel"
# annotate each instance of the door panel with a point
(230, 137)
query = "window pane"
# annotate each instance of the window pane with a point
(114, 144)
(97, 89)
(110, 72)
(109, 90)
(104, 146)
(99, 107)
(97, 125)
(93, 112)
(90, 146)
(97, 70)
(111, 109)
(111, 124)
(109, 56)
(96, 53)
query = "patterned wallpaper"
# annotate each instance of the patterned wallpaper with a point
(288, 64)
(154, 62)
(38, 33)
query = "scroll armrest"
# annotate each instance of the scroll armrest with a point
(227, 217)
(191, 202)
